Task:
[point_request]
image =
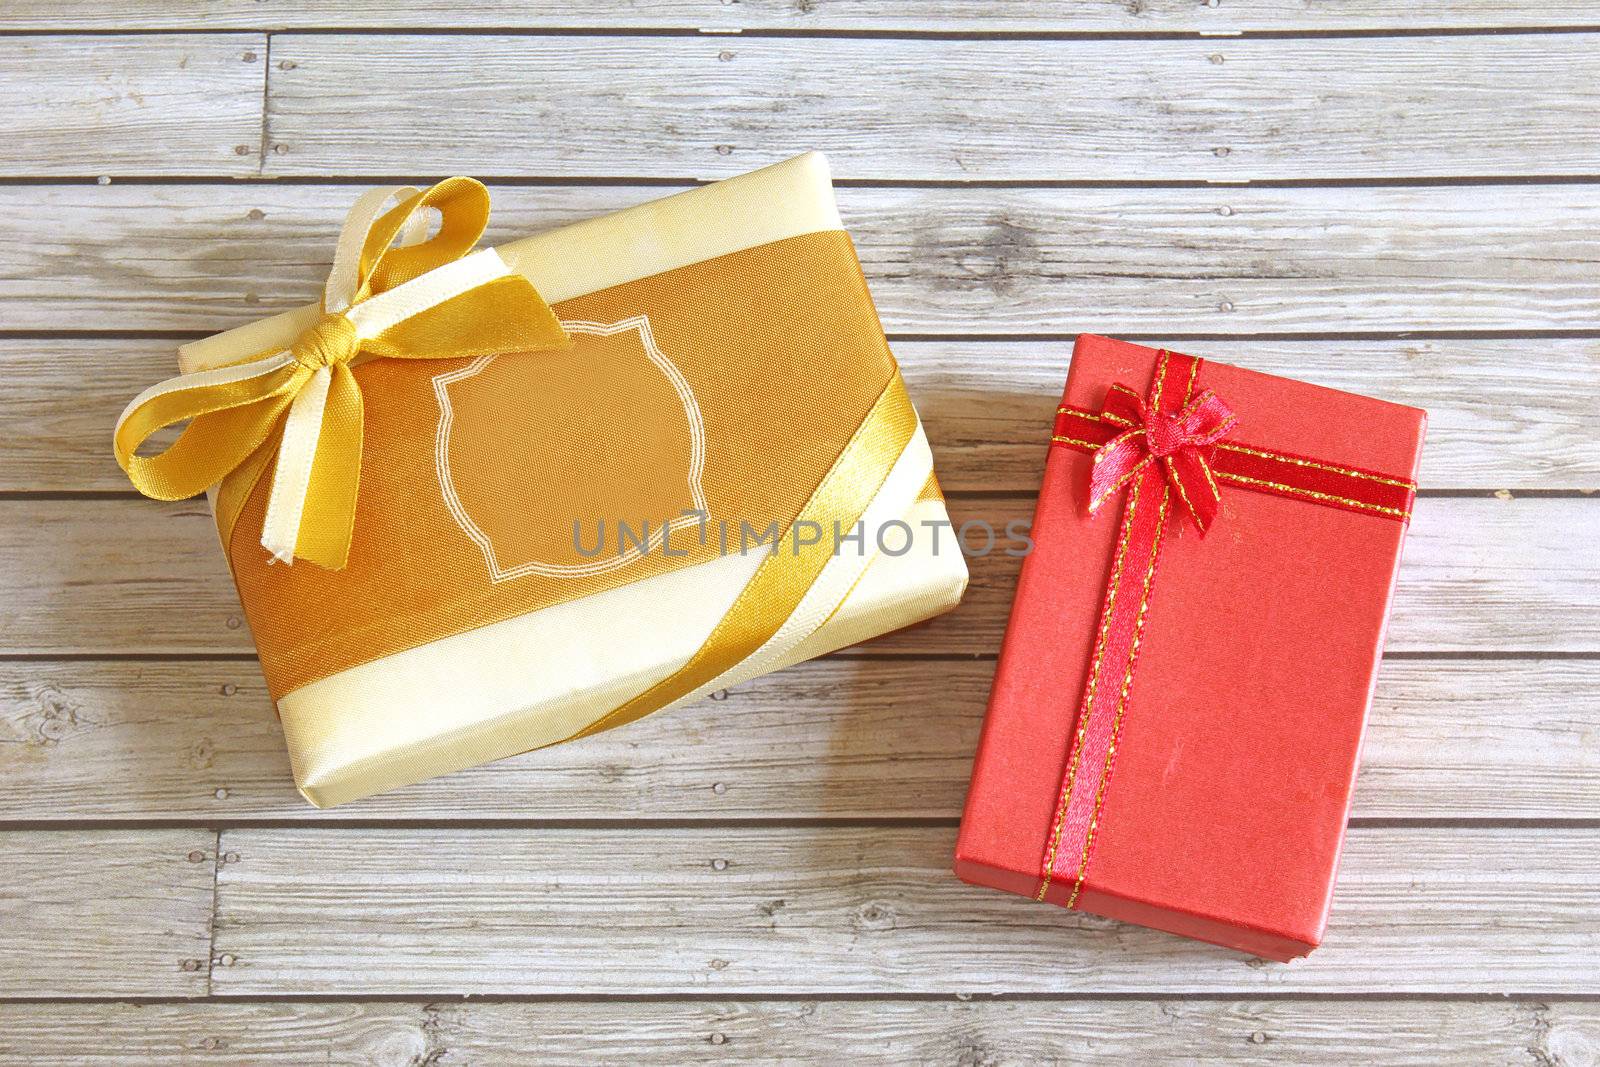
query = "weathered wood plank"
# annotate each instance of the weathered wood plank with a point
(1479, 574)
(1096, 110)
(105, 913)
(1501, 413)
(834, 909)
(120, 576)
(936, 1033)
(942, 16)
(832, 738)
(987, 405)
(940, 260)
(140, 104)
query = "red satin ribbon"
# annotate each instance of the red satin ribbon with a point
(1168, 449)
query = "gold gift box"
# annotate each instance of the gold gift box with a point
(548, 543)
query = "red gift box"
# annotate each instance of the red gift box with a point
(1177, 715)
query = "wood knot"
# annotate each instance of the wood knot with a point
(875, 915)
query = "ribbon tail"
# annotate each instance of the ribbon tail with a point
(328, 522)
(1196, 489)
(312, 506)
(1115, 464)
(291, 476)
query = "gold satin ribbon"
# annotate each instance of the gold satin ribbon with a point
(783, 579)
(301, 409)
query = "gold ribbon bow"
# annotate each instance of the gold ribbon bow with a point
(423, 298)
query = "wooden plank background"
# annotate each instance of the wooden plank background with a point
(107, 913)
(164, 105)
(1394, 198)
(1030, 110)
(841, 738)
(991, 261)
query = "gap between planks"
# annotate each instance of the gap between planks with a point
(686, 181)
(754, 33)
(844, 822)
(1287, 996)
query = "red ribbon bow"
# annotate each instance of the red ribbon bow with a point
(1180, 442)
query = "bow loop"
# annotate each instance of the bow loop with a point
(462, 206)
(303, 403)
(1205, 421)
(1180, 441)
(1124, 407)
